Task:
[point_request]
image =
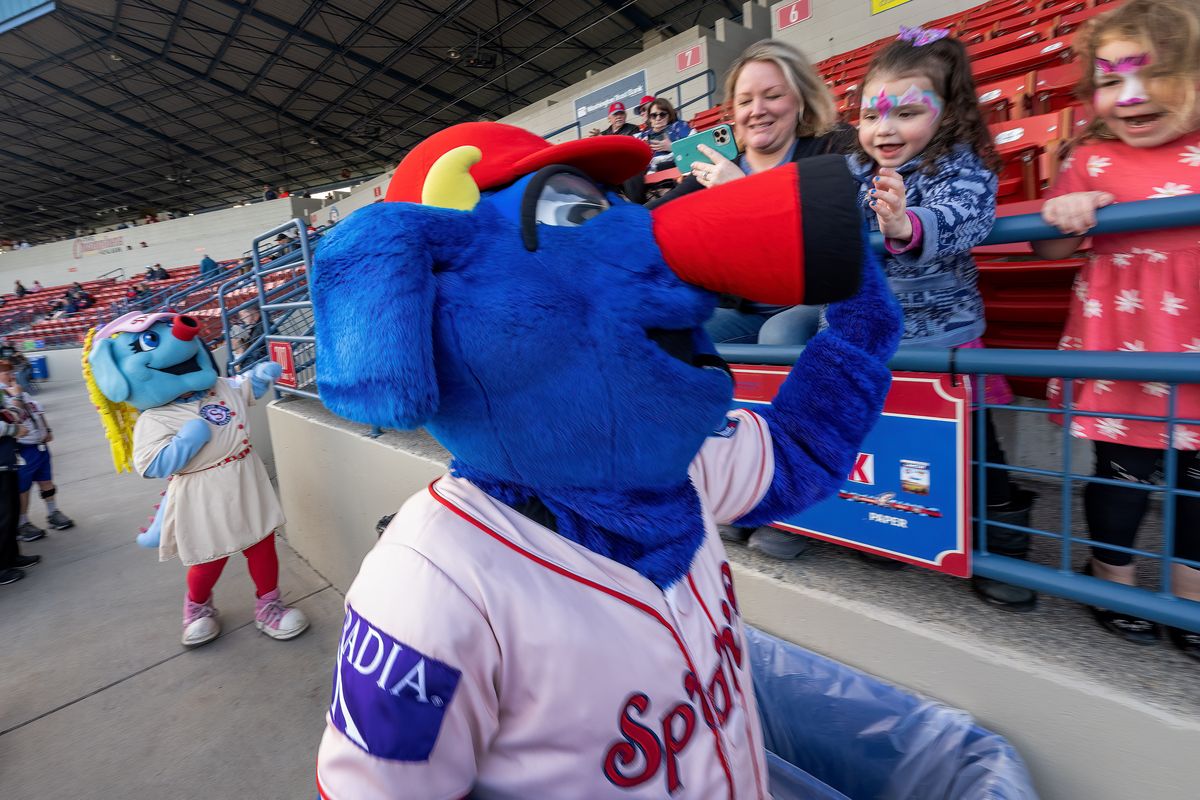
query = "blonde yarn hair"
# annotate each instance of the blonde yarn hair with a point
(118, 419)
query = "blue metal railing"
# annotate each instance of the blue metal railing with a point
(705, 96)
(1170, 368)
(284, 303)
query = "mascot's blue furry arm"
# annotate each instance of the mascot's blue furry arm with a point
(550, 334)
(831, 399)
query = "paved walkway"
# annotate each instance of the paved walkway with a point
(97, 696)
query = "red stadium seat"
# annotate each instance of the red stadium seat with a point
(1022, 60)
(1003, 44)
(1020, 143)
(1069, 23)
(1006, 99)
(1054, 88)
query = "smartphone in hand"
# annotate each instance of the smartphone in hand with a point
(719, 138)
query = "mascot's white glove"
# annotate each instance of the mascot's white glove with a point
(262, 376)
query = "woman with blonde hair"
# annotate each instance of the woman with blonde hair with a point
(781, 111)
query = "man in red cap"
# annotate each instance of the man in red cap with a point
(643, 107)
(617, 126)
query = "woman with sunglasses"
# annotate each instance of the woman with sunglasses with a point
(663, 126)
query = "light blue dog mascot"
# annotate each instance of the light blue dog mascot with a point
(193, 429)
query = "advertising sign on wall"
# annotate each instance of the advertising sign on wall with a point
(98, 245)
(593, 106)
(908, 493)
(884, 5)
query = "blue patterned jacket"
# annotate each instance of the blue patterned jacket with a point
(936, 282)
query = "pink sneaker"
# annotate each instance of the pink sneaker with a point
(200, 624)
(276, 620)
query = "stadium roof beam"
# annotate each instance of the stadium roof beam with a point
(640, 20)
(357, 58)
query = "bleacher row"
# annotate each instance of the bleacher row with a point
(27, 319)
(1026, 74)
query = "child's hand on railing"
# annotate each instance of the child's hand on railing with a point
(1075, 213)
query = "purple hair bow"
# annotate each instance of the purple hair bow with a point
(918, 36)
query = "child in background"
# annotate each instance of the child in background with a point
(34, 463)
(1140, 291)
(928, 183)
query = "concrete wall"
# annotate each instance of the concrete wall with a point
(335, 482)
(837, 26)
(364, 194)
(223, 234)
(718, 46)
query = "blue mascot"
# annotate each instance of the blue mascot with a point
(169, 414)
(556, 617)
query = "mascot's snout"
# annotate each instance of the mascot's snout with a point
(185, 328)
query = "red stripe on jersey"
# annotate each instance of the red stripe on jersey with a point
(321, 789)
(638, 604)
(741, 694)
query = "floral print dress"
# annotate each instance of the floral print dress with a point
(1139, 292)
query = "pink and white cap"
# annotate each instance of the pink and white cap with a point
(137, 321)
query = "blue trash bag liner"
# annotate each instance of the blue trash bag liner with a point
(789, 782)
(869, 739)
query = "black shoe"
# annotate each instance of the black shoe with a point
(28, 532)
(880, 562)
(1004, 596)
(11, 575)
(1186, 641)
(25, 562)
(733, 534)
(1134, 630)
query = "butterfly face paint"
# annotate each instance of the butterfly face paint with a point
(884, 104)
(1127, 69)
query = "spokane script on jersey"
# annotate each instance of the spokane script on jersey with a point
(653, 738)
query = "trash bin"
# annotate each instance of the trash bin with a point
(836, 732)
(39, 369)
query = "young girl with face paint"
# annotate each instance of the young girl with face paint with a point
(1139, 291)
(928, 183)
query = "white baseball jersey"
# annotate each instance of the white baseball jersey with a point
(484, 654)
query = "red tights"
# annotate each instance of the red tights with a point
(260, 558)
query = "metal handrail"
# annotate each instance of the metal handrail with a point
(1139, 215)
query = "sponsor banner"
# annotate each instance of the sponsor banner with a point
(593, 106)
(908, 494)
(884, 5)
(281, 354)
(98, 245)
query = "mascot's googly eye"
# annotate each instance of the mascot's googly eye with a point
(146, 340)
(559, 196)
(569, 200)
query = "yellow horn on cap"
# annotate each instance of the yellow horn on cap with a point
(449, 184)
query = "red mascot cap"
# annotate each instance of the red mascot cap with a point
(510, 152)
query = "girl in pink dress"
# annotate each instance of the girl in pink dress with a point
(1140, 291)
